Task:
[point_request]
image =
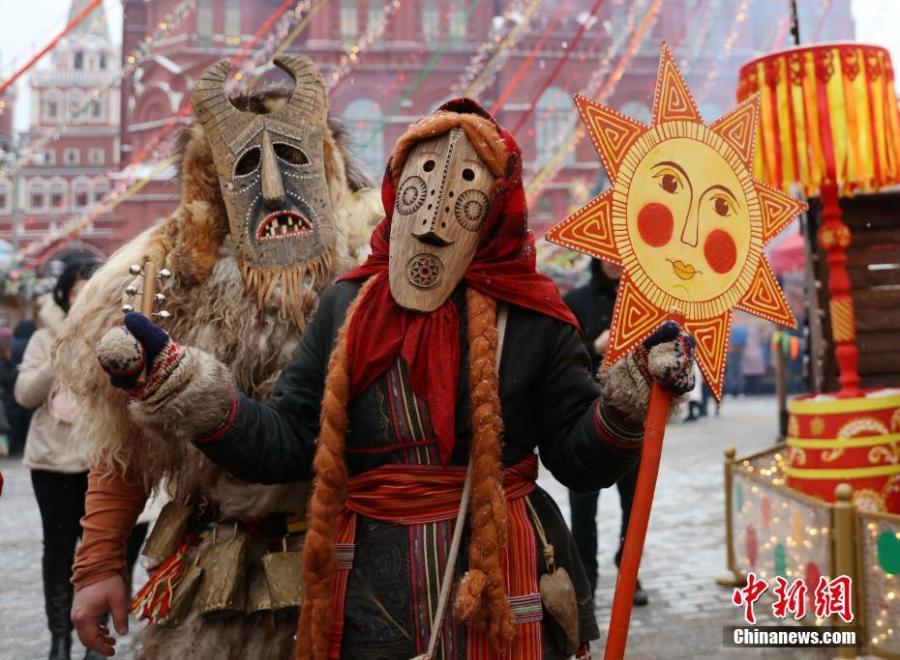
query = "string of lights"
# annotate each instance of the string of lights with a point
(150, 152)
(351, 53)
(75, 226)
(532, 56)
(423, 74)
(276, 37)
(570, 47)
(600, 87)
(491, 54)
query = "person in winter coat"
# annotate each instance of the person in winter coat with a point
(19, 416)
(58, 460)
(593, 305)
(446, 349)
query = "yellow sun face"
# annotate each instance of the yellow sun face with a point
(684, 218)
(692, 218)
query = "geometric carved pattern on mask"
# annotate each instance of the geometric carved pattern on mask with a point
(441, 204)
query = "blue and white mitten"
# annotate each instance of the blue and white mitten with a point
(187, 390)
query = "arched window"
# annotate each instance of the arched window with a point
(554, 118)
(52, 104)
(58, 197)
(101, 190)
(80, 192)
(636, 110)
(37, 195)
(5, 196)
(74, 101)
(363, 118)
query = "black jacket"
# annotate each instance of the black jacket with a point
(593, 304)
(547, 392)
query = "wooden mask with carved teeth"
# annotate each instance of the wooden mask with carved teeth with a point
(271, 166)
(442, 201)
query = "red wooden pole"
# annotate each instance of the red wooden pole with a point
(834, 237)
(654, 430)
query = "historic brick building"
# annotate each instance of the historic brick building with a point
(437, 37)
(70, 174)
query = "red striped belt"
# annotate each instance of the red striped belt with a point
(418, 494)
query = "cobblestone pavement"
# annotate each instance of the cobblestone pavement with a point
(684, 550)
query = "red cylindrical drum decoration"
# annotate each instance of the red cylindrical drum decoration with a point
(856, 441)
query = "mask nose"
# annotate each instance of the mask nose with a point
(434, 228)
(272, 185)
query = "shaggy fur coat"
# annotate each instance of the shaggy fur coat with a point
(250, 323)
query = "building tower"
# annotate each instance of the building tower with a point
(69, 174)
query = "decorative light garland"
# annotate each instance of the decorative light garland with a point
(132, 61)
(274, 39)
(560, 63)
(523, 68)
(599, 87)
(75, 226)
(740, 17)
(479, 74)
(435, 58)
(350, 56)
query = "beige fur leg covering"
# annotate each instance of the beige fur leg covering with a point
(193, 400)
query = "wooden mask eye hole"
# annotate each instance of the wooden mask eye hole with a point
(428, 166)
(290, 154)
(248, 162)
(468, 174)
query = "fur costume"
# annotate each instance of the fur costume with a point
(251, 320)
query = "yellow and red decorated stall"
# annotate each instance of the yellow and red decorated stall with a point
(853, 441)
(830, 128)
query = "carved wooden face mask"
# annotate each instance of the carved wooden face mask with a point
(441, 205)
(270, 166)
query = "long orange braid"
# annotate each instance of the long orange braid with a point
(481, 596)
(328, 497)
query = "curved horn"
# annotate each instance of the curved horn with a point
(209, 99)
(309, 99)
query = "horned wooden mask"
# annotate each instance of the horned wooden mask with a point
(442, 202)
(271, 166)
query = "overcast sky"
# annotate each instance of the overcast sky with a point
(27, 25)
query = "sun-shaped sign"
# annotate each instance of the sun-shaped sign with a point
(685, 219)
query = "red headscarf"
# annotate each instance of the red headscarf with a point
(503, 268)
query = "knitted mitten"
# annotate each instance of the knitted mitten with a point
(187, 391)
(666, 356)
